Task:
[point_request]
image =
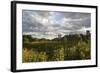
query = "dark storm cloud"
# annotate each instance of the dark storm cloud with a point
(29, 23)
(84, 18)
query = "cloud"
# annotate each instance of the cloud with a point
(47, 24)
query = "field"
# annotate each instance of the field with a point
(68, 47)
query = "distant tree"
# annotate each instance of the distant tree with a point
(59, 36)
(27, 38)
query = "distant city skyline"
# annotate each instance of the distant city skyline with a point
(48, 24)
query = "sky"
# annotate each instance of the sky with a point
(48, 24)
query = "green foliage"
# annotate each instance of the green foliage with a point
(29, 55)
(84, 50)
(42, 56)
(58, 54)
(33, 56)
(69, 47)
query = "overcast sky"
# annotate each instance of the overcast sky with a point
(48, 24)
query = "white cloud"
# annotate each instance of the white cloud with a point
(45, 24)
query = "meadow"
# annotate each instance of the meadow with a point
(68, 47)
